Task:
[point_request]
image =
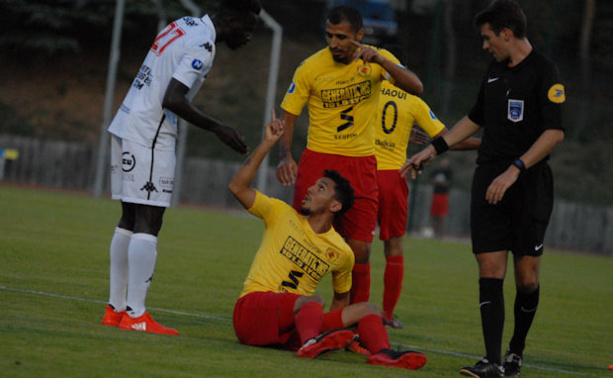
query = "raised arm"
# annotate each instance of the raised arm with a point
(175, 100)
(240, 185)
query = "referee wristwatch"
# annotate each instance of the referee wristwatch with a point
(520, 165)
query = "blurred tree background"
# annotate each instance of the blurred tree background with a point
(54, 59)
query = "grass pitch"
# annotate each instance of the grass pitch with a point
(54, 284)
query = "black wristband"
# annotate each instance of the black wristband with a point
(519, 164)
(440, 145)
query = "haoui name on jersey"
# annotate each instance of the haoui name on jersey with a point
(394, 93)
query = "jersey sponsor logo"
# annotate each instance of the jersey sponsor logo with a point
(394, 93)
(515, 110)
(143, 77)
(292, 88)
(349, 95)
(166, 183)
(556, 94)
(306, 260)
(207, 46)
(432, 115)
(385, 144)
(189, 21)
(128, 161)
(491, 79)
(197, 64)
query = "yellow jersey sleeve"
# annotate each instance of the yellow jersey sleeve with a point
(292, 258)
(342, 102)
(398, 112)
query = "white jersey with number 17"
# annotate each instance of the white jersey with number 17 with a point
(185, 51)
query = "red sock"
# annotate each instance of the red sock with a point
(308, 320)
(332, 320)
(373, 333)
(360, 287)
(392, 284)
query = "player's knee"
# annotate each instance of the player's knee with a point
(367, 308)
(307, 299)
(527, 285)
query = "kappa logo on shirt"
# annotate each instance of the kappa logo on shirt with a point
(197, 64)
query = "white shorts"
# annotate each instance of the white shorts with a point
(140, 174)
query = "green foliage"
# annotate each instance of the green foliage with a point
(54, 284)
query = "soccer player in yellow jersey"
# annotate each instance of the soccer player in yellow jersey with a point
(398, 112)
(277, 306)
(340, 84)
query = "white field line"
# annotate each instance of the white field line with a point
(403, 346)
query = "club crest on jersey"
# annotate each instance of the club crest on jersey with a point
(556, 94)
(197, 64)
(292, 88)
(332, 254)
(364, 70)
(515, 110)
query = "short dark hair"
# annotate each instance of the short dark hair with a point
(343, 192)
(502, 14)
(347, 13)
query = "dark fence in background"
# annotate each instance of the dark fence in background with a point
(67, 165)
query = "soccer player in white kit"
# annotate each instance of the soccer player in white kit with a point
(143, 147)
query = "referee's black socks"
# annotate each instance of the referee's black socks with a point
(525, 310)
(491, 304)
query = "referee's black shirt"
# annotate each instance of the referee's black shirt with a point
(515, 105)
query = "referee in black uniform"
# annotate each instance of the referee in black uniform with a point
(519, 110)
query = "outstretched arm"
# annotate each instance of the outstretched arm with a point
(460, 131)
(240, 185)
(176, 101)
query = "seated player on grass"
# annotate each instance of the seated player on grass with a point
(277, 306)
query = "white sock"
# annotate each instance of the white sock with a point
(142, 254)
(119, 268)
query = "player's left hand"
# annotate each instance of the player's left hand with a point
(499, 186)
(367, 54)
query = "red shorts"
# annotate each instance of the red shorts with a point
(440, 205)
(393, 204)
(267, 319)
(360, 221)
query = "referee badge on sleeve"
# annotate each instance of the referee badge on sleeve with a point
(515, 110)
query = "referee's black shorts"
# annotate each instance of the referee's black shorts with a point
(519, 221)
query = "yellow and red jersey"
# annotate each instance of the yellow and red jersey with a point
(342, 100)
(398, 112)
(292, 257)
